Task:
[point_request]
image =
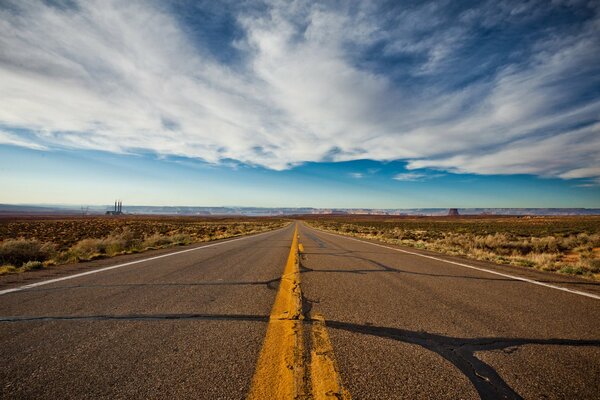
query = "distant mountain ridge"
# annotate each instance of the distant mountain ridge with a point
(281, 211)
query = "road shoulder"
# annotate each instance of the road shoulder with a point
(11, 281)
(566, 281)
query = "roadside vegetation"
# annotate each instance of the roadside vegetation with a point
(34, 243)
(567, 245)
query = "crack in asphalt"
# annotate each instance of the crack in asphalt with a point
(461, 352)
(316, 239)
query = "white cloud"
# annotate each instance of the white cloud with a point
(581, 172)
(409, 177)
(549, 156)
(14, 140)
(415, 176)
(124, 77)
(357, 175)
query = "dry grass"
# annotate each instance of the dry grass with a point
(21, 251)
(36, 243)
(569, 245)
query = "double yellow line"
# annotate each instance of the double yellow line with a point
(281, 371)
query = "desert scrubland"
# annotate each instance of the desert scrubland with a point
(34, 242)
(567, 245)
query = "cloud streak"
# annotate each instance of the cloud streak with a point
(310, 83)
(410, 177)
(415, 176)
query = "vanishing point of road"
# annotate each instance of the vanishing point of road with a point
(299, 313)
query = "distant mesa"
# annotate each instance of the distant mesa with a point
(453, 212)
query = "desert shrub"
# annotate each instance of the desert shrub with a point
(119, 242)
(115, 243)
(87, 248)
(20, 251)
(125, 241)
(32, 265)
(181, 239)
(544, 259)
(572, 270)
(157, 240)
(548, 244)
(593, 265)
(7, 269)
(569, 242)
(524, 263)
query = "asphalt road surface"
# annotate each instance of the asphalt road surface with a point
(192, 324)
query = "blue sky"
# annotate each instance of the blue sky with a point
(291, 103)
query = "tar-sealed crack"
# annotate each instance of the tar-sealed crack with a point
(306, 307)
(461, 353)
(305, 269)
(273, 284)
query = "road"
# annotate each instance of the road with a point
(201, 323)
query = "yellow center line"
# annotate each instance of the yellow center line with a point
(280, 371)
(324, 373)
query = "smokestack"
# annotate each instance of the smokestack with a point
(120, 206)
(115, 206)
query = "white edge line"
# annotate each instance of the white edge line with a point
(517, 278)
(95, 271)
